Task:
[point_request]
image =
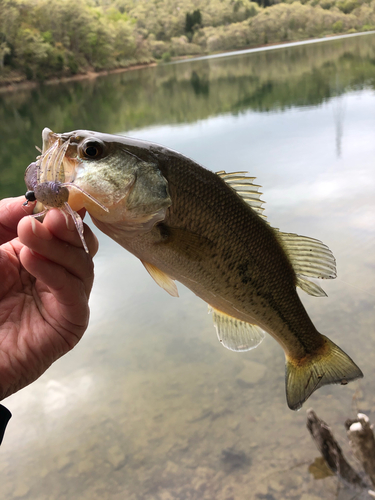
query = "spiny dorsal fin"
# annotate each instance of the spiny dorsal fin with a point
(235, 334)
(162, 279)
(245, 188)
(309, 257)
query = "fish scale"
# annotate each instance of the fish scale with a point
(247, 232)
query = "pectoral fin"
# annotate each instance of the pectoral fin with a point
(235, 334)
(162, 279)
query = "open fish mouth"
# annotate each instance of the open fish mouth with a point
(50, 178)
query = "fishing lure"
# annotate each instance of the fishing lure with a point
(45, 182)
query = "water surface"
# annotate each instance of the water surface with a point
(149, 405)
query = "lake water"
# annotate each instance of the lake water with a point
(149, 405)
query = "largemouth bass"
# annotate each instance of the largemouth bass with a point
(206, 230)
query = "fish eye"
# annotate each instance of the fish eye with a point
(92, 149)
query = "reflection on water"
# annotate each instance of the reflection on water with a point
(309, 75)
(149, 405)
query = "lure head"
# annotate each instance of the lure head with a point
(30, 196)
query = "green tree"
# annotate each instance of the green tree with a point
(40, 38)
(4, 51)
(193, 21)
(31, 51)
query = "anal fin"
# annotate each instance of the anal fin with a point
(162, 279)
(235, 334)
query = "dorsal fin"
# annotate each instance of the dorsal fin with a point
(244, 187)
(235, 334)
(309, 257)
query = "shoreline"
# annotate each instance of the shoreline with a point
(272, 46)
(91, 75)
(88, 75)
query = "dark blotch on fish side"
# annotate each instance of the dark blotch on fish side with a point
(244, 273)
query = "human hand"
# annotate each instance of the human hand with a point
(45, 282)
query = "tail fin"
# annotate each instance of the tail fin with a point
(303, 377)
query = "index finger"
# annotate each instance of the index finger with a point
(11, 212)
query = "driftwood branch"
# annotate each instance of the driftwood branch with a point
(362, 441)
(331, 451)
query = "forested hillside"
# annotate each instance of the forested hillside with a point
(40, 39)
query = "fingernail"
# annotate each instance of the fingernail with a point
(40, 231)
(33, 225)
(38, 255)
